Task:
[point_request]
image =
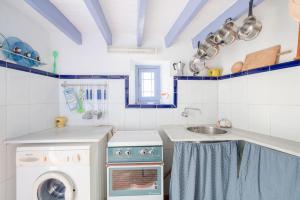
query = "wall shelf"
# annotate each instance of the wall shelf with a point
(22, 56)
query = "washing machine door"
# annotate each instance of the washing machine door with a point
(53, 186)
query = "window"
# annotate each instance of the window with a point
(147, 84)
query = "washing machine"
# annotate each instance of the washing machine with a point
(60, 172)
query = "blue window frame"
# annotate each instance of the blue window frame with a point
(147, 84)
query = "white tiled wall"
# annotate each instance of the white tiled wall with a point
(268, 103)
(199, 94)
(28, 103)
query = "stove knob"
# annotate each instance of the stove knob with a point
(118, 153)
(127, 153)
(143, 152)
(151, 152)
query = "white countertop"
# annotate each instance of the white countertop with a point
(82, 134)
(135, 138)
(181, 134)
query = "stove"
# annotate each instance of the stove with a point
(135, 166)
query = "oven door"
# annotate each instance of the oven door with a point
(135, 180)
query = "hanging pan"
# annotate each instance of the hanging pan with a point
(251, 26)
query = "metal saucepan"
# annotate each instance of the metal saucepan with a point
(227, 34)
(194, 63)
(251, 27)
(210, 47)
(200, 52)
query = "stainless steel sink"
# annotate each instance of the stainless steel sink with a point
(206, 130)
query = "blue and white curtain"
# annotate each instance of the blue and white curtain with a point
(267, 174)
(209, 171)
(204, 171)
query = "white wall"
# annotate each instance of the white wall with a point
(204, 95)
(267, 103)
(278, 28)
(14, 23)
(28, 102)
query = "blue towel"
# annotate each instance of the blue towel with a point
(204, 171)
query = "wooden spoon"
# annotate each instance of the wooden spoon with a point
(298, 49)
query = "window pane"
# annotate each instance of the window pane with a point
(148, 84)
(147, 75)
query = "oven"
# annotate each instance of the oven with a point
(135, 175)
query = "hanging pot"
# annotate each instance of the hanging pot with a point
(200, 51)
(198, 67)
(210, 47)
(227, 34)
(251, 26)
(193, 65)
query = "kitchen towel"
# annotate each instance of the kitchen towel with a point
(204, 171)
(268, 174)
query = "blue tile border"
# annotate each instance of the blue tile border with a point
(258, 70)
(294, 63)
(2, 63)
(290, 64)
(227, 76)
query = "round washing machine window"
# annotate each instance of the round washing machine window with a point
(53, 186)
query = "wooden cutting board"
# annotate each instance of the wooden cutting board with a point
(265, 57)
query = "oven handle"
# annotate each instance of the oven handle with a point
(134, 164)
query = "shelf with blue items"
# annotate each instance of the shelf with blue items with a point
(24, 60)
(20, 52)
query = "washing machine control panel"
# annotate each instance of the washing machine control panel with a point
(48, 158)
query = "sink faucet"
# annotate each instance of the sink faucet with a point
(185, 113)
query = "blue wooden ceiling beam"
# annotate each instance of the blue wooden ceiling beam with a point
(189, 12)
(52, 14)
(99, 17)
(142, 5)
(234, 12)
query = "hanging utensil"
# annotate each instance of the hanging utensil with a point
(80, 108)
(251, 26)
(198, 67)
(298, 49)
(200, 52)
(210, 47)
(227, 34)
(55, 56)
(88, 113)
(99, 113)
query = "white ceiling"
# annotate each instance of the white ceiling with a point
(122, 18)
